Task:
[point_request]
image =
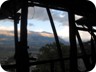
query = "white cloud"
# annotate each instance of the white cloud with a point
(64, 33)
(38, 30)
(62, 16)
(37, 13)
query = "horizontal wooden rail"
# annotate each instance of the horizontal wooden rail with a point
(86, 29)
(13, 66)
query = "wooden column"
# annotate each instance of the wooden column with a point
(73, 47)
(22, 53)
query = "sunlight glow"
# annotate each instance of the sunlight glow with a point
(10, 28)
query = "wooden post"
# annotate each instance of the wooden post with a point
(52, 67)
(73, 47)
(22, 53)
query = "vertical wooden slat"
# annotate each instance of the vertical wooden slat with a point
(15, 27)
(73, 47)
(52, 67)
(93, 51)
(15, 34)
(22, 53)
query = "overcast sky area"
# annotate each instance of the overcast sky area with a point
(38, 21)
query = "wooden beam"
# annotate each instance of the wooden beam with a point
(73, 47)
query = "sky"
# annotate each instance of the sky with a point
(38, 21)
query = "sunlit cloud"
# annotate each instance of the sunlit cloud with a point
(10, 28)
(64, 33)
(7, 28)
(38, 30)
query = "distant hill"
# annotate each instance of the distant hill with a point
(35, 40)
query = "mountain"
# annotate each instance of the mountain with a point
(35, 40)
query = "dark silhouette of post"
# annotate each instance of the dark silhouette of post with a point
(22, 64)
(73, 47)
(16, 37)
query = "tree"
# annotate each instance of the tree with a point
(48, 52)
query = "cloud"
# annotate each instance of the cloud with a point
(31, 24)
(41, 14)
(64, 32)
(9, 28)
(37, 13)
(60, 16)
(38, 30)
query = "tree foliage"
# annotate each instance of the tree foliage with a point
(48, 52)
